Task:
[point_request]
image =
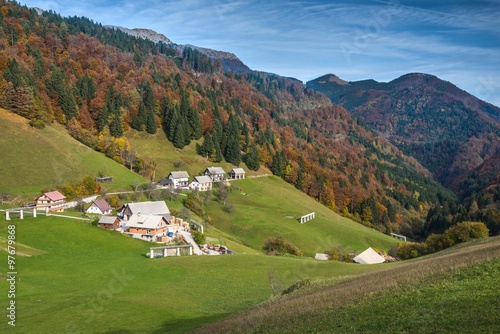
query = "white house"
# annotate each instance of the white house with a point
(237, 174)
(100, 207)
(201, 183)
(180, 179)
(217, 174)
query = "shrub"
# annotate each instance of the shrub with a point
(410, 250)
(279, 246)
(334, 254)
(37, 123)
(198, 237)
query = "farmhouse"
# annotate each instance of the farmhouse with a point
(52, 200)
(157, 208)
(109, 222)
(217, 174)
(100, 207)
(201, 183)
(148, 227)
(237, 174)
(180, 179)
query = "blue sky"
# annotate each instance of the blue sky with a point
(458, 41)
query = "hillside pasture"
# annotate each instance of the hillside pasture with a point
(81, 279)
(35, 159)
(268, 206)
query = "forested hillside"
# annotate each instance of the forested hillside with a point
(100, 82)
(450, 132)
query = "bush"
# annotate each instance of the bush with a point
(334, 254)
(279, 246)
(461, 232)
(198, 237)
(37, 123)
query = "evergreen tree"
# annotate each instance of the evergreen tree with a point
(180, 134)
(115, 127)
(173, 123)
(252, 158)
(151, 122)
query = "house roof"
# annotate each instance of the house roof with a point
(54, 195)
(369, 256)
(102, 205)
(145, 221)
(202, 179)
(149, 208)
(107, 220)
(179, 175)
(165, 182)
(215, 170)
(238, 171)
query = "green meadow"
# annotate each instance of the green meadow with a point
(267, 206)
(36, 159)
(77, 278)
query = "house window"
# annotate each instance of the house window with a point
(148, 230)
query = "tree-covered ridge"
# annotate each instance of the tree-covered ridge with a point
(101, 82)
(446, 129)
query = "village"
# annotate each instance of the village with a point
(150, 220)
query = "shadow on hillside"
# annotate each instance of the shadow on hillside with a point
(187, 325)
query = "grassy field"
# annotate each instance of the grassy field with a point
(267, 206)
(453, 291)
(158, 148)
(34, 159)
(76, 278)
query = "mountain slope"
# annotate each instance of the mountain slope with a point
(446, 129)
(99, 82)
(36, 159)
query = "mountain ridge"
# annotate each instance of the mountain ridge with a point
(448, 130)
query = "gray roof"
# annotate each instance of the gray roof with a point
(202, 179)
(145, 221)
(107, 220)
(149, 208)
(215, 170)
(179, 175)
(238, 170)
(369, 256)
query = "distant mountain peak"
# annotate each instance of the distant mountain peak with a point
(331, 78)
(144, 33)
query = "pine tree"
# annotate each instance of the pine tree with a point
(252, 158)
(151, 122)
(115, 127)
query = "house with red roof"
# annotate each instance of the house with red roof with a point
(100, 207)
(51, 201)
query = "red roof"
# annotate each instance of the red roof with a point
(102, 205)
(55, 195)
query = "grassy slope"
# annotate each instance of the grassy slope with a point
(158, 148)
(267, 206)
(70, 283)
(454, 291)
(34, 159)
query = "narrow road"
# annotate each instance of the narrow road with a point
(189, 239)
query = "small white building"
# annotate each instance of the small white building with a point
(217, 174)
(180, 179)
(237, 174)
(369, 256)
(100, 207)
(201, 183)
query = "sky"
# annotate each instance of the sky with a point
(456, 40)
